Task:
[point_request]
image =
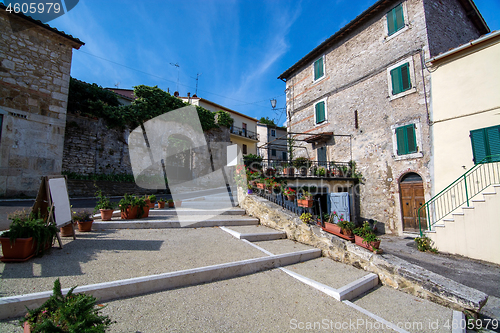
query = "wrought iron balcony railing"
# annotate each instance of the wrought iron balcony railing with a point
(244, 133)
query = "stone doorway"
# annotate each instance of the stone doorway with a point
(411, 189)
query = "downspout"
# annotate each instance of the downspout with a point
(422, 65)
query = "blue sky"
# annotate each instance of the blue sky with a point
(239, 47)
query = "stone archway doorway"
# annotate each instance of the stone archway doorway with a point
(411, 189)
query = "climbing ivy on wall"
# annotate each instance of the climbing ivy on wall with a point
(94, 101)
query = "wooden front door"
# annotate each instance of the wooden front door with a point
(412, 197)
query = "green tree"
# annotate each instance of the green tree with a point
(267, 121)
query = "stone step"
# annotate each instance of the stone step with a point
(255, 233)
(199, 221)
(194, 211)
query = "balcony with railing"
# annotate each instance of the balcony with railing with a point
(243, 132)
(306, 169)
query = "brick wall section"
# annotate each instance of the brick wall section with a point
(356, 79)
(447, 25)
(35, 66)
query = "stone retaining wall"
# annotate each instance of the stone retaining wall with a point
(86, 188)
(391, 270)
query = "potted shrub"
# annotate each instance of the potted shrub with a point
(320, 172)
(290, 194)
(170, 203)
(104, 205)
(84, 220)
(331, 226)
(142, 207)
(305, 200)
(70, 313)
(365, 237)
(161, 203)
(26, 237)
(288, 170)
(306, 218)
(127, 209)
(302, 164)
(152, 201)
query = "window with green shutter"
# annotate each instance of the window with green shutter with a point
(395, 20)
(406, 140)
(486, 143)
(400, 77)
(320, 112)
(318, 69)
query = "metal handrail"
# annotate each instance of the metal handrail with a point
(244, 132)
(461, 191)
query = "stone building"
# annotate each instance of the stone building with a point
(272, 142)
(369, 81)
(35, 63)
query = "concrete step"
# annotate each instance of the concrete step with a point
(255, 233)
(194, 211)
(199, 221)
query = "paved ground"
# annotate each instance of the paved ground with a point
(270, 301)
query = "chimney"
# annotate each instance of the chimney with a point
(176, 94)
(189, 97)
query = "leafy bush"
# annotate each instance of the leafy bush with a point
(70, 313)
(223, 118)
(306, 217)
(425, 244)
(103, 202)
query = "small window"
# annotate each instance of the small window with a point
(319, 69)
(395, 20)
(244, 129)
(273, 132)
(244, 149)
(284, 156)
(486, 143)
(400, 77)
(406, 140)
(320, 112)
(273, 152)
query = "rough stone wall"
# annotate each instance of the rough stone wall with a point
(35, 68)
(392, 271)
(87, 188)
(90, 147)
(356, 80)
(447, 25)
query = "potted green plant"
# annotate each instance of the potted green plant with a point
(302, 164)
(306, 218)
(170, 203)
(70, 313)
(152, 201)
(142, 207)
(27, 236)
(127, 209)
(320, 172)
(84, 220)
(104, 206)
(161, 203)
(305, 200)
(365, 237)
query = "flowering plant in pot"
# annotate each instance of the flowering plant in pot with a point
(27, 236)
(306, 218)
(305, 200)
(70, 313)
(104, 205)
(290, 193)
(84, 220)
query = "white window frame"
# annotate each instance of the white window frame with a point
(418, 138)
(273, 132)
(324, 69)
(326, 113)
(413, 88)
(397, 33)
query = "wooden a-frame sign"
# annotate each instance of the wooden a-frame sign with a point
(52, 202)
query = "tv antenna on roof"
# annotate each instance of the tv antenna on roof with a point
(117, 84)
(176, 65)
(197, 76)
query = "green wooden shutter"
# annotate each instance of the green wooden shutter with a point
(320, 112)
(493, 142)
(411, 140)
(400, 138)
(396, 81)
(400, 77)
(405, 77)
(478, 141)
(318, 68)
(395, 19)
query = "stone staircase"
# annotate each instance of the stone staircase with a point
(472, 231)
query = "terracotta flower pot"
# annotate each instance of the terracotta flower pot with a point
(370, 246)
(26, 327)
(332, 227)
(85, 226)
(152, 205)
(146, 211)
(129, 213)
(171, 205)
(161, 204)
(290, 197)
(21, 250)
(66, 231)
(305, 203)
(347, 232)
(106, 214)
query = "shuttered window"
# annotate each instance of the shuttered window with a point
(400, 77)
(406, 140)
(320, 112)
(245, 151)
(318, 69)
(395, 20)
(273, 152)
(486, 142)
